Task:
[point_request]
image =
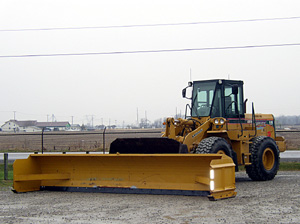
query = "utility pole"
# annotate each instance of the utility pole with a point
(146, 117)
(137, 116)
(90, 120)
(14, 115)
(72, 119)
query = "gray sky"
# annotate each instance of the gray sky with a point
(112, 87)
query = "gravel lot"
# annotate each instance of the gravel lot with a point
(276, 201)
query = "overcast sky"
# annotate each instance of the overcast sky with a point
(112, 87)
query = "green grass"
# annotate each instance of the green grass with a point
(284, 166)
(293, 149)
(289, 166)
(6, 183)
(10, 171)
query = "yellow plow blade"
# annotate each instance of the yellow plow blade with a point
(211, 175)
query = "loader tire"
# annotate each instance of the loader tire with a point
(264, 159)
(214, 145)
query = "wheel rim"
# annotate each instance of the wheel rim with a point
(268, 159)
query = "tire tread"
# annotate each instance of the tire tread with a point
(254, 171)
(208, 144)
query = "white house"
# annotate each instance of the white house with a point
(33, 126)
(54, 126)
(74, 127)
(20, 126)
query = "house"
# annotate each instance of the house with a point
(20, 126)
(74, 127)
(54, 126)
(33, 126)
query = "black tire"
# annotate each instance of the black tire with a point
(214, 145)
(264, 158)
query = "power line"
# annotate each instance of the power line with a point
(150, 51)
(150, 25)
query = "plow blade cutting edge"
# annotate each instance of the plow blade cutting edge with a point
(211, 175)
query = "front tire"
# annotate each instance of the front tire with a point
(215, 145)
(264, 159)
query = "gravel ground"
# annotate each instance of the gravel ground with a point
(276, 201)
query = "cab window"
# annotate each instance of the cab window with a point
(233, 103)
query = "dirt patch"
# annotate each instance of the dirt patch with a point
(276, 201)
(292, 140)
(91, 141)
(69, 141)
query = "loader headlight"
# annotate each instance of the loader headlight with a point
(212, 182)
(219, 121)
(222, 121)
(212, 185)
(212, 174)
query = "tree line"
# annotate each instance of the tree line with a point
(287, 120)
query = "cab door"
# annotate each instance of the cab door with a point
(233, 101)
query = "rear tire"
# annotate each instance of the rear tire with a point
(214, 145)
(264, 158)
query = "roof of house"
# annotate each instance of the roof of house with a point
(27, 123)
(30, 123)
(53, 124)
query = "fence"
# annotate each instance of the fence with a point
(77, 141)
(68, 141)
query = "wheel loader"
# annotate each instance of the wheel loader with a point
(197, 155)
(218, 123)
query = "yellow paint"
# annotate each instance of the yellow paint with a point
(238, 135)
(268, 159)
(151, 171)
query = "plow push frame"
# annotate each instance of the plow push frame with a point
(211, 175)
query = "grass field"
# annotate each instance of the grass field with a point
(10, 172)
(284, 166)
(6, 183)
(289, 166)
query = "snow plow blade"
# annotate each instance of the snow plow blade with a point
(211, 175)
(146, 146)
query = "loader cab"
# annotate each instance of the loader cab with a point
(217, 98)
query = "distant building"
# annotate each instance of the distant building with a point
(15, 126)
(74, 127)
(20, 126)
(54, 126)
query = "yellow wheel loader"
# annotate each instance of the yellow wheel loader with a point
(197, 155)
(217, 124)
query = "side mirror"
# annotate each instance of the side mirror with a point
(184, 93)
(235, 89)
(190, 84)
